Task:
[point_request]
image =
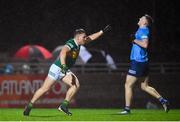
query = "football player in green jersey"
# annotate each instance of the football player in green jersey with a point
(60, 69)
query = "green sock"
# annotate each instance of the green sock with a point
(30, 105)
(65, 103)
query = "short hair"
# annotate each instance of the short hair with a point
(79, 31)
(149, 19)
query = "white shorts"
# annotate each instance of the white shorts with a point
(55, 73)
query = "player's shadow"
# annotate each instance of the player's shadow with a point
(117, 114)
(45, 116)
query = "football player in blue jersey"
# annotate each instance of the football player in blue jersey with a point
(139, 65)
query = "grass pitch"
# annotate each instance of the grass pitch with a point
(89, 115)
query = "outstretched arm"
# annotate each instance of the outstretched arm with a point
(97, 34)
(94, 36)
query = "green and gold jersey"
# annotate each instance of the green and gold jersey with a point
(71, 55)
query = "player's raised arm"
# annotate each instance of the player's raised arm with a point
(97, 34)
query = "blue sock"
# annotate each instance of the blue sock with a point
(162, 100)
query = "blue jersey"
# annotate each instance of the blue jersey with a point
(138, 53)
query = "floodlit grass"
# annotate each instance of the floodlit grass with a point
(89, 115)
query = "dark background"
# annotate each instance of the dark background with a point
(51, 22)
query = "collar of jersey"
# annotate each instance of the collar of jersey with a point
(143, 27)
(76, 42)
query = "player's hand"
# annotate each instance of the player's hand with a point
(107, 28)
(64, 68)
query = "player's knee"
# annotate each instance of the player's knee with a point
(76, 83)
(78, 86)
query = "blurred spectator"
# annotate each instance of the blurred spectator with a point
(25, 69)
(109, 60)
(8, 69)
(84, 54)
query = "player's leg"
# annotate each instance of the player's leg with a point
(52, 77)
(150, 90)
(71, 80)
(44, 88)
(40, 92)
(145, 87)
(130, 80)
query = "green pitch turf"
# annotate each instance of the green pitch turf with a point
(89, 115)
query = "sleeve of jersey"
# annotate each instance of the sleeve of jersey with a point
(69, 45)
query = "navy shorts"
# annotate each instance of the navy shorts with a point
(138, 69)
